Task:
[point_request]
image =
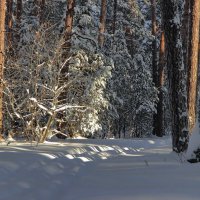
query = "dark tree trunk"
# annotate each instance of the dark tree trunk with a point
(176, 75)
(114, 16)
(9, 22)
(19, 11)
(193, 62)
(186, 18)
(41, 14)
(154, 60)
(18, 18)
(102, 23)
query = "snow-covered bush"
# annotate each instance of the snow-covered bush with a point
(90, 74)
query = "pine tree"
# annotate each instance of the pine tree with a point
(154, 60)
(185, 27)
(160, 109)
(42, 8)
(2, 57)
(102, 22)
(10, 22)
(68, 26)
(176, 74)
(114, 16)
(193, 62)
(18, 18)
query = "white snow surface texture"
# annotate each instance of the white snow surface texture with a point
(141, 169)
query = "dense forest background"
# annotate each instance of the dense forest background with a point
(99, 68)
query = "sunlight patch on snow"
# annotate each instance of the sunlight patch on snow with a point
(151, 142)
(51, 156)
(105, 154)
(119, 149)
(19, 148)
(79, 150)
(105, 148)
(53, 143)
(84, 159)
(69, 156)
(103, 158)
(133, 155)
(94, 148)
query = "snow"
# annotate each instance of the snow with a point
(139, 169)
(194, 142)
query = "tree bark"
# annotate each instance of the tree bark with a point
(19, 11)
(10, 22)
(102, 23)
(67, 37)
(114, 16)
(65, 55)
(160, 112)
(68, 27)
(193, 63)
(185, 30)
(176, 75)
(42, 7)
(154, 60)
(2, 57)
(18, 18)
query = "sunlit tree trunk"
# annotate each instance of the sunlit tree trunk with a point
(102, 23)
(160, 112)
(68, 27)
(2, 57)
(193, 62)
(65, 55)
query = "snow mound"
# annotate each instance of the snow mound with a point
(194, 142)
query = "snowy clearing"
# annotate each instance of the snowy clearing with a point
(144, 169)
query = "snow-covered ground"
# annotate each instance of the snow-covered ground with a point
(144, 169)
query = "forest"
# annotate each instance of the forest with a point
(99, 99)
(99, 69)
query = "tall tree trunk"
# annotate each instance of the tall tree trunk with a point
(114, 16)
(2, 55)
(19, 12)
(42, 7)
(154, 60)
(67, 36)
(193, 63)
(160, 112)
(102, 23)
(176, 75)
(18, 18)
(68, 27)
(65, 55)
(9, 22)
(185, 30)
